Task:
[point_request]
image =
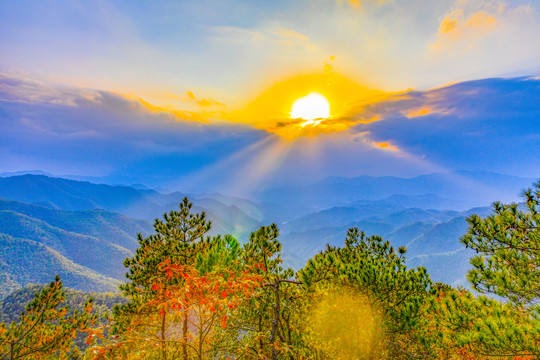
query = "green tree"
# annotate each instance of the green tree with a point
(463, 326)
(45, 330)
(267, 325)
(508, 242)
(508, 265)
(179, 238)
(376, 271)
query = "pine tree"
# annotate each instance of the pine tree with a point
(508, 242)
(179, 238)
(374, 270)
(463, 326)
(45, 330)
(508, 265)
(267, 324)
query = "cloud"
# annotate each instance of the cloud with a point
(385, 145)
(455, 22)
(106, 133)
(489, 124)
(15, 88)
(237, 34)
(278, 34)
(289, 34)
(201, 101)
(23, 89)
(418, 112)
(270, 110)
(111, 134)
(358, 4)
(464, 29)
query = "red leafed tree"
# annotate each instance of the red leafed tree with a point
(208, 299)
(207, 293)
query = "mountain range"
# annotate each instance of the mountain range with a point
(83, 231)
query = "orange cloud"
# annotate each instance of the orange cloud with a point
(456, 21)
(358, 4)
(385, 146)
(179, 114)
(458, 32)
(418, 112)
(481, 20)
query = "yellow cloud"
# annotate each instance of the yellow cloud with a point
(202, 102)
(450, 21)
(179, 114)
(270, 110)
(190, 95)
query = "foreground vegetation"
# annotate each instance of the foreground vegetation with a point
(191, 296)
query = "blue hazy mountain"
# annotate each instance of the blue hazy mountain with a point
(59, 193)
(84, 230)
(454, 190)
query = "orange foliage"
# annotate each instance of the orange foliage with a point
(203, 300)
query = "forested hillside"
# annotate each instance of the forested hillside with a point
(14, 304)
(25, 262)
(85, 247)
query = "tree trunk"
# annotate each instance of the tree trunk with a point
(163, 342)
(277, 310)
(185, 337)
(261, 343)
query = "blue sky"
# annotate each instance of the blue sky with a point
(185, 93)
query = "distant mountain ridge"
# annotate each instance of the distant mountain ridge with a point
(64, 194)
(85, 230)
(465, 187)
(53, 225)
(70, 194)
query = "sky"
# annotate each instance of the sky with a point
(200, 93)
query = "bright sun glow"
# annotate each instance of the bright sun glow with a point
(313, 107)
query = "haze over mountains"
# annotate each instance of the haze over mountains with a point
(83, 231)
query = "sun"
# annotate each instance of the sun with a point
(313, 108)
